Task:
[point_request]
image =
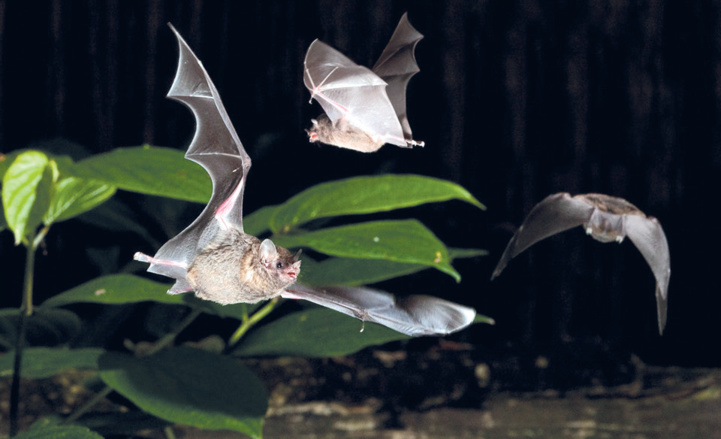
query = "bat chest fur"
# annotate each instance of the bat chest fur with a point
(605, 227)
(231, 272)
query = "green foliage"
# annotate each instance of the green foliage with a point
(308, 333)
(206, 388)
(178, 385)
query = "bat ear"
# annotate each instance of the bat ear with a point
(314, 122)
(268, 251)
(296, 256)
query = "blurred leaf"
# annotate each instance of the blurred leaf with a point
(456, 253)
(406, 241)
(26, 193)
(368, 194)
(45, 327)
(46, 362)
(116, 289)
(484, 319)
(353, 272)
(149, 170)
(190, 387)
(41, 431)
(234, 311)
(314, 332)
(116, 216)
(72, 196)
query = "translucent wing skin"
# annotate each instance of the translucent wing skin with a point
(413, 315)
(217, 148)
(396, 65)
(351, 93)
(554, 214)
(606, 219)
(648, 237)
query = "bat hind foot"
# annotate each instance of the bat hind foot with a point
(411, 143)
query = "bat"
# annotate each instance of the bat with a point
(364, 108)
(605, 219)
(219, 262)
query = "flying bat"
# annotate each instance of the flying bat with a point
(364, 108)
(220, 262)
(605, 219)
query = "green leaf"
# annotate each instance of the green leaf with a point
(72, 196)
(116, 289)
(46, 362)
(353, 272)
(483, 319)
(191, 387)
(361, 195)
(26, 193)
(314, 332)
(406, 241)
(149, 170)
(42, 431)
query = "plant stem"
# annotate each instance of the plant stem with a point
(248, 322)
(101, 395)
(26, 310)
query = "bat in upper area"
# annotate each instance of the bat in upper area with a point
(606, 219)
(364, 108)
(216, 259)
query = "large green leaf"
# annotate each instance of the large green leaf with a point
(72, 196)
(149, 170)
(353, 272)
(46, 362)
(314, 332)
(191, 387)
(116, 289)
(406, 241)
(368, 194)
(41, 430)
(26, 193)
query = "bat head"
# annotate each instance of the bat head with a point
(282, 266)
(313, 132)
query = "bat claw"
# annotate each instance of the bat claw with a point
(411, 143)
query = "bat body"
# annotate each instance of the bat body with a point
(364, 108)
(604, 218)
(216, 259)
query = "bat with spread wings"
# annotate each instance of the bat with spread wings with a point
(605, 219)
(220, 262)
(364, 108)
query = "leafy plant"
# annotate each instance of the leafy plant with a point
(185, 385)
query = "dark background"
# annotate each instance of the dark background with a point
(515, 100)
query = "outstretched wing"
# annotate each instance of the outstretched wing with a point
(350, 92)
(396, 65)
(217, 148)
(412, 315)
(554, 214)
(647, 235)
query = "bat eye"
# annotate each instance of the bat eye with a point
(279, 265)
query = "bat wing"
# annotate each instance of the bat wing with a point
(648, 236)
(413, 315)
(351, 92)
(396, 65)
(554, 214)
(217, 148)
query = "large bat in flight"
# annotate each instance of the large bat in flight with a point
(220, 262)
(605, 219)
